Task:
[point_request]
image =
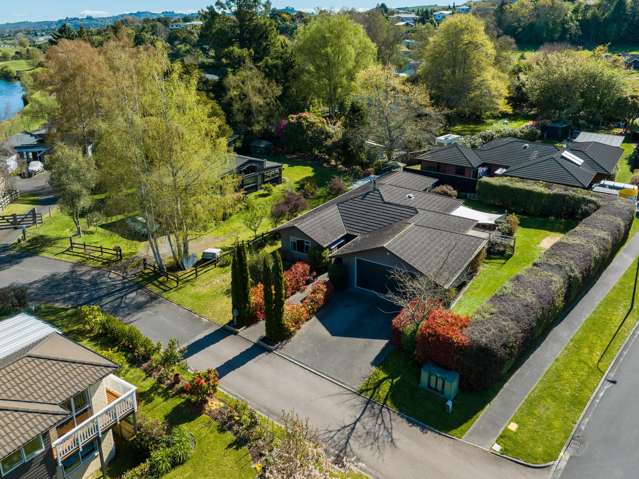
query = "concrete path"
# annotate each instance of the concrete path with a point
(386, 444)
(605, 441)
(499, 412)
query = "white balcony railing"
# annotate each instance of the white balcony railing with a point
(101, 421)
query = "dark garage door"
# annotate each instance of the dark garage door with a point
(373, 276)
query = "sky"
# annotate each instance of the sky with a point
(36, 10)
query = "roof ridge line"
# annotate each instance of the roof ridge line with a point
(70, 361)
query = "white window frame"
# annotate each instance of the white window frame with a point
(293, 244)
(82, 460)
(23, 455)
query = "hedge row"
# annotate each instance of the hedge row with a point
(13, 297)
(536, 198)
(527, 305)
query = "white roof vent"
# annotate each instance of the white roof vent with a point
(572, 157)
(526, 146)
(410, 196)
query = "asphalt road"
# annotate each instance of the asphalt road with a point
(605, 443)
(385, 444)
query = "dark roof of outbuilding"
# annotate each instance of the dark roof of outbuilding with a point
(454, 154)
(599, 157)
(235, 161)
(410, 180)
(512, 151)
(553, 169)
(612, 140)
(38, 377)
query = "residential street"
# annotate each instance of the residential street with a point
(387, 445)
(605, 444)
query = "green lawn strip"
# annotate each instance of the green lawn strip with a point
(550, 412)
(625, 167)
(395, 383)
(24, 203)
(215, 454)
(495, 272)
(473, 128)
(17, 65)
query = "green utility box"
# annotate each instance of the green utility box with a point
(439, 380)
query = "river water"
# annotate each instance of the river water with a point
(11, 102)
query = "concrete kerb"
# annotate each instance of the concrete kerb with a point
(596, 396)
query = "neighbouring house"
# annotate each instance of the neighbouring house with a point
(185, 25)
(404, 19)
(462, 9)
(580, 164)
(441, 14)
(30, 146)
(410, 69)
(253, 172)
(59, 403)
(587, 136)
(8, 158)
(631, 60)
(391, 222)
(448, 139)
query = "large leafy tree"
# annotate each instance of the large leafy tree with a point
(459, 69)
(330, 51)
(582, 87)
(399, 114)
(73, 175)
(251, 99)
(386, 35)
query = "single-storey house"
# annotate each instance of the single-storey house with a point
(30, 146)
(59, 403)
(391, 222)
(441, 14)
(579, 164)
(253, 172)
(631, 60)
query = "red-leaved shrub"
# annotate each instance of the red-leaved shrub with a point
(441, 338)
(296, 277)
(405, 324)
(202, 386)
(257, 302)
(317, 297)
(294, 316)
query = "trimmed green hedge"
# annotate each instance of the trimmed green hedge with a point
(503, 329)
(536, 198)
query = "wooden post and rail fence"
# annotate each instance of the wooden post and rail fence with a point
(16, 221)
(93, 251)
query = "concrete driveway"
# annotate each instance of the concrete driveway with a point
(347, 338)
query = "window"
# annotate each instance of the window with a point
(300, 245)
(22, 455)
(80, 402)
(436, 383)
(87, 453)
(270, 174)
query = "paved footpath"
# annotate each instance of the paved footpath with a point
(385, 444)
(498, 413)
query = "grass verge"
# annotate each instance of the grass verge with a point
(550, 412)
(626, 167)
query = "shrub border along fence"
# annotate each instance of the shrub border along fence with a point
(524, 309)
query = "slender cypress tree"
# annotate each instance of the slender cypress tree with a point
(267, 281)
(235, 282)
(280, 331)
(244, 293)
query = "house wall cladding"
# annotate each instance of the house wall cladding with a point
(505, 327)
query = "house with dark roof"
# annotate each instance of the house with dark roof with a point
(29, 145)
(59, 402)
(253, 172)
(391, 222)
(580, 164)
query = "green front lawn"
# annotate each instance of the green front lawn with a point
(17, 65)
(495, 272)
(215, 455)
(625, 167)
(549, 414)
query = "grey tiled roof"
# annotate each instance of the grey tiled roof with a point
(553, 169)
(369, 212)
(440, 221)
(406, 179)
(598, 157)
(612, 140)
(324, 227)
(37, 378)
(512, 151)
(19, 426)
(419, 199)
(454, 154)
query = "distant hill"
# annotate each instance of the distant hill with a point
(87, 22)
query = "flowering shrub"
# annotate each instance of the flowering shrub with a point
(202, 386)
(405, 324)
(257, 302)
(296, 277)
(289, 206)
(294, 316)
(441, 338)
(317, 297)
